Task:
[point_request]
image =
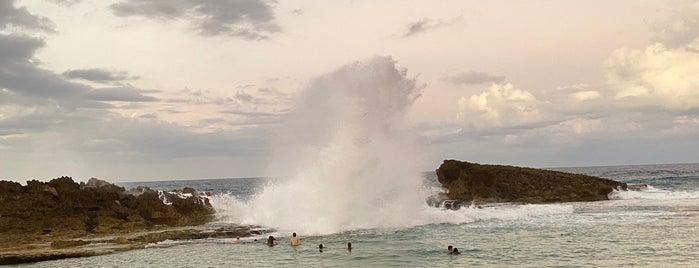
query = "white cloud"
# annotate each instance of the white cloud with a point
(500, 105)
(586, 95)
(657, 76)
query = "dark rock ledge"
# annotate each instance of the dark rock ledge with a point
(63, 219)
(476, 183)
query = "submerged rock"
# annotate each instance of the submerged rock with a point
(470, 182)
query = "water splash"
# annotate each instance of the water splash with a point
(352, 162)
(353, 166)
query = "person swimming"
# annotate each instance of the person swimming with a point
(271, 241)
(237, 239)
(349, 246)
(450, 249)
(294, 240)
(455, 252)
(320, 247)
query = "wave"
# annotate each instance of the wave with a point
(352, 160)
(652, 193)
(236, 211)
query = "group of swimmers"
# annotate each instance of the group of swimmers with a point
(295, 241)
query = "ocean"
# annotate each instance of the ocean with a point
(654, 227)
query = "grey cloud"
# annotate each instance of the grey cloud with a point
(418, 27)
(248, 19)
(471, 78)
(28, 80)
(119, 94)
(46, 115)
(20, 77)
(17, 49)
(66, 2)
(149, 116)
(145, 137)
(20, 17)
(97, 75)
(252, 114)
(255, 118)
(158, 138)
(426, 24)
(681, 29)
(242, 96)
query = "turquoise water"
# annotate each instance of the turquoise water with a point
(657, 227)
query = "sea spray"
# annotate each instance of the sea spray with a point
(350, 161)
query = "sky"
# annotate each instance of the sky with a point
(138, 90)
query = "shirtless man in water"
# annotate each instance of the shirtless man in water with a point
(294, 240)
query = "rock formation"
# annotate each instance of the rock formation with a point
(63, 219)
(472, 182)
(64, 208)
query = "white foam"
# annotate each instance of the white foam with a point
(652, 193)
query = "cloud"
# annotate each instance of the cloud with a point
(501, 105)
(242, 96)
(427, 24)
(97, 75)
(17, 49)
(248, 19)
(587, 95)
(119, 94)
(657, 77)
(681, 29)
(66, 2)
(473, 78)
(22, 80)
(19, 74)
(20, 17)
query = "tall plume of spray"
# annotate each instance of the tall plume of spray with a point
(353, 165)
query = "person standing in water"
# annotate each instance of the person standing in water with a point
(320, 247)
(349, 246)
(294, 240)
(271, 241)
(450, 249)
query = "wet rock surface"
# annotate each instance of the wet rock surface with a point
(51, 220)
(471, 182)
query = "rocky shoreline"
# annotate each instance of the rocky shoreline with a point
(476, 183)
(54, 248)
(63, 219)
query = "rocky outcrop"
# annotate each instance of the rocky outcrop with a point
(74, 248)
(63, 208)
(472, 182)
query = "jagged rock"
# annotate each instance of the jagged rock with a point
(62, 208)
(472, 182)
(101, 184)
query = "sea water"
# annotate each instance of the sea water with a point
(654, 227)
